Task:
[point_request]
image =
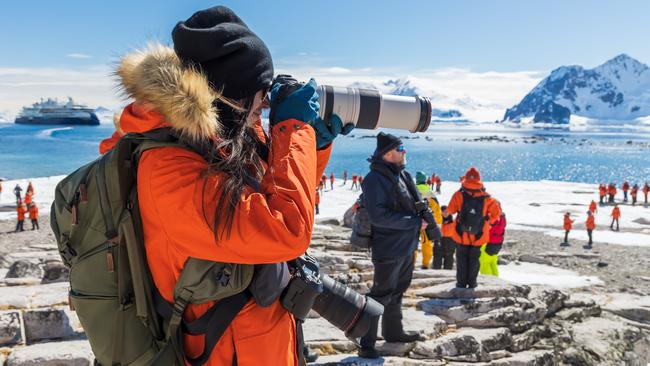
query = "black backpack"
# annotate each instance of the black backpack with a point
(361, 228)
(471, 219)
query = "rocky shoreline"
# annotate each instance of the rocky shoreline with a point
(499, 323)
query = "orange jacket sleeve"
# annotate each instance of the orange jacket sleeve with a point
(269, 226)
(455, 203)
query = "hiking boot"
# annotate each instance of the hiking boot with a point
(309, 354)
(405, 337)
(424, 267)
(368, 352)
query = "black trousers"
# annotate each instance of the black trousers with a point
(601, 199)
(467, 265)
(612, 225)
(566, 236)
(589, 233)
(35, 224)
(19, 225)
(317, 211)
(391, 279)
(443, 255)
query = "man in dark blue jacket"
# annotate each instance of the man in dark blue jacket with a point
(389, 195)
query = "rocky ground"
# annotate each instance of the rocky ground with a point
(499, 323)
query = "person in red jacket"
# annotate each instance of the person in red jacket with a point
(438, 184)
(616, 214)
(20, 218)
(447, 241)
(634, 192)
(645, 190)
(317, 202)
(611, 191)
(33, 216)
(345, 177)
(360, 179)
(331, 181)
(244, 196)
(591, 226)
(354, 182)
(625, 187)
(568, 224)
(593, 207)
(476, 211)
(490, 251)
(602, 192)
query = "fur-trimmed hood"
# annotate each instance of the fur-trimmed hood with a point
(157, 78)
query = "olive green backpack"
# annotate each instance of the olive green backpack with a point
(96, 221)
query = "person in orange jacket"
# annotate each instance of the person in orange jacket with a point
(33, 216)
(472, 226)
(634, 192)
(645, 190)
(360, 179)
(354, 182)
(625, 187)
(332, 181)
(602, 192)
(30, 188)
(616, 214)
(591, 226)
(611, 191)
(447, 241)
(28, 198)
(317, 202)
(20, 218)
(593, 207)
(438, 184)
(251, 208)
(568, 224)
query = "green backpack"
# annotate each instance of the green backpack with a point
(96, 221)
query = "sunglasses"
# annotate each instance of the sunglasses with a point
(400, 149)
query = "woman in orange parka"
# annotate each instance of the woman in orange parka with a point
(602, 192)
(616, 214)
(468, 249)
(242, 197)
(591, 226)
(568, 224)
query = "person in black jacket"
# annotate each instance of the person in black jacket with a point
(389, 195)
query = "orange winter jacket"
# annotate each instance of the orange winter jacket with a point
(602, 190)
(21, 212)
(491, 210)
(448, 229)
(33, 212)
(592, 206)
(28, 198)
(178, 198)
(591, 222)
(616, 213)
(568, 223)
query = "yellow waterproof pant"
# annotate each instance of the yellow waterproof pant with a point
(427, 249)
(489, 263)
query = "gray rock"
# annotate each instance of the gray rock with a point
(360, 264)
(491, 339)
(329, 221)
(578, 314)
(457, 310)
(347, 217)
(629, 306)
(534, 259)
(528, 358)
(45, 324)
(451, 345)
(10, 329)
(27, 267)
(55, 272)
(70, 353)
(23, 297)
(394, 349)
(553, 299)
(515, 318)
(489, 286)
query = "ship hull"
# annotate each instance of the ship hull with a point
(91, 120)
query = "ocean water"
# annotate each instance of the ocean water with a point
(448, 150)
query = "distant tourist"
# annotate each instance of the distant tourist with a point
(317, 201)
(30, 188)
(611, 191)
(20, 210)
(616, 214)
(354, 182)
(602, 192)
(345, 177)
(28, 198)
(590, 225)
(568, 224)
(593, 207)
(18, 192)
(646, 189)
(33, 216)
(475, 211)
(332, 181)
(634, 192)
(438, 184)
(0, 189)
(625, 187)
(490, 252)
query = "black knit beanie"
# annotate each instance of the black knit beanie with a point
(234, 59)
(385, 143)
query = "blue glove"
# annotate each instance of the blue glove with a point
(326, 131)
(302, 104)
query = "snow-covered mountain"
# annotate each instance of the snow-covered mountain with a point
(618, 90)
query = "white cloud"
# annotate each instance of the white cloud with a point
(78, 55)
(23, 86)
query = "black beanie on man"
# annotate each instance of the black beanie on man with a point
(234, 59)
(385, 143)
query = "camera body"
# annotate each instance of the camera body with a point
(365, 108)
(341, 306)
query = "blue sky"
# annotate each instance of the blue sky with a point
(482, 54)
(414, 35)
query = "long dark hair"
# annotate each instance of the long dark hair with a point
(237, 156)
